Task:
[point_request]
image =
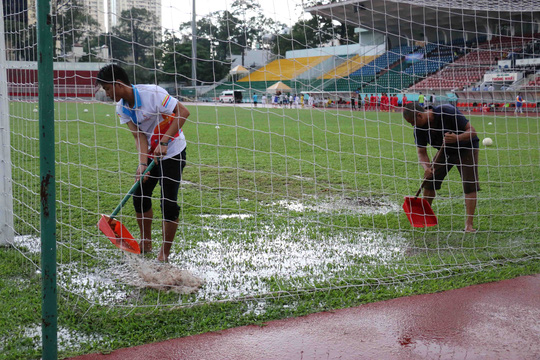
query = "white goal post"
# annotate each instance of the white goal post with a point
(6, 195)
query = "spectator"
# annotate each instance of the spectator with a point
(384, 102)
(519, 104)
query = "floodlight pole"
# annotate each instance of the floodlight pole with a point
(194, 48)
(49, 310)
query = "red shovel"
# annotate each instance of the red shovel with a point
(114, 230)
(418, 210)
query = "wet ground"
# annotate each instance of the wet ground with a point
(498, 320)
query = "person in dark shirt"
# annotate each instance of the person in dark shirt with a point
(440, 125)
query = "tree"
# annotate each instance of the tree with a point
(21, 40)
(231, 32)
(136, 35)
(177, 61)
(136, 39)
(71, 24)
(306, 34)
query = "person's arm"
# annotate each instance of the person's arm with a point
(466, 136)
(424, 160)
(141, 143)
(180, 115)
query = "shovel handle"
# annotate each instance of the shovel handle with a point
(435, 160)
(132, 190)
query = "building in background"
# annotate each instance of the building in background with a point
(115, 8)
(96, 9)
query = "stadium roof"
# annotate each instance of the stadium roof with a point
(411, 18)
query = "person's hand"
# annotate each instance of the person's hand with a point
(161, 150)
(428, 173)
(450, 138)
(140, 170)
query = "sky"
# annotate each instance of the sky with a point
(175, 12)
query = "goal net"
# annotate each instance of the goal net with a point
(298, 156)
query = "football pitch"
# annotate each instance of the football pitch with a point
(284, 212)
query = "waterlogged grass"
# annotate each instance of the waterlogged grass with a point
(275, 205)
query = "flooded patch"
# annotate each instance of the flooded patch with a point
(68, 340)
(228, 216)
(115, 283)
(155, 275)
(96, 286)
(292, 256)
(30, 242)
(233, 256)
(364, 206)
(255, 308)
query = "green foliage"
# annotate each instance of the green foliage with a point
(23, 46)
(72, 24)
(177, 62)
(305, 34)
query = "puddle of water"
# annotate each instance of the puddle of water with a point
(292, 255)
(364, 206)
(160, 276)
(228, 264)
(30, 242)
(67, 339)
(228, 216)
(97, 286)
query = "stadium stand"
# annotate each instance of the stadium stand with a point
(452, 77)
(384, 61)
(535, 82)
(433, 66)
(349, 66)
(469, 68)
(283, 69)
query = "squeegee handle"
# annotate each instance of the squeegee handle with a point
(434, 163)
(132, 190)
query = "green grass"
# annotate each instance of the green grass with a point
(276, 204)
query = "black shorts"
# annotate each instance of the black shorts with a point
(466, 162)
(169, 174)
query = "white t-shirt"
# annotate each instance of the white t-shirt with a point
(151, 102)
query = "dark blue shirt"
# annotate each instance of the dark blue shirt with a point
(447, 119)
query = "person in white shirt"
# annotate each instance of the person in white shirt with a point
(155, 119)
(310, 100)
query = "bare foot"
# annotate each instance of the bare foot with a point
(162, 257)
(469, 229)
(146, 246)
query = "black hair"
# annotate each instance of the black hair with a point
(410, 110)
(112, 73)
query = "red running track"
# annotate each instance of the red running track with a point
(490, 321)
